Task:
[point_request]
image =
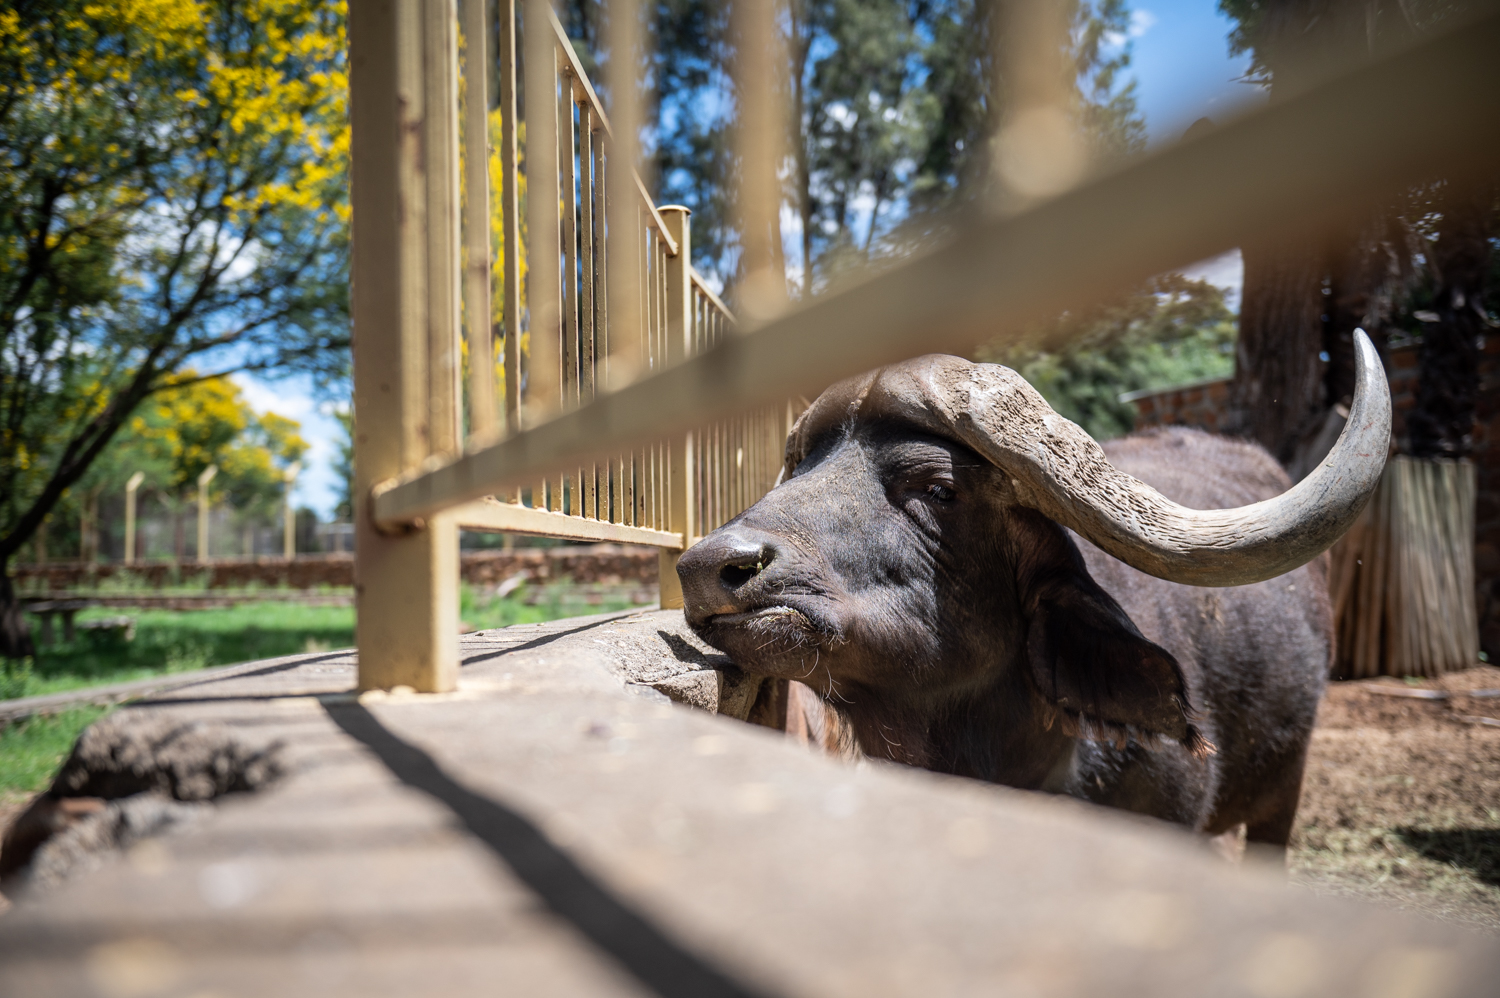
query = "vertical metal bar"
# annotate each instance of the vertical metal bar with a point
(542, 290)
(484, 419)
(680, 503)
(586, 296)
(510, 215)
(568, 497)
(404, 151)
(444, 287)
(627, 332)
(567, 141)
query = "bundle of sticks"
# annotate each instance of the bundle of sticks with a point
(1402, 579)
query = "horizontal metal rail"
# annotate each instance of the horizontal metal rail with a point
(492, 516)
(1293, 166)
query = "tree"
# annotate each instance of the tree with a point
(1172, 331)
(173, 192)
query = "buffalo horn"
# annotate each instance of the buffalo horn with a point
(1058, 469)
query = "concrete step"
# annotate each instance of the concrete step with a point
(559, 826)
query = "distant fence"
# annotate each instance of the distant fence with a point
(587, 564)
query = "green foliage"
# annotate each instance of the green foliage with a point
(894, 104)
(1173, 331)
(33, 749)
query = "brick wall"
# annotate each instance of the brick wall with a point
(1204, 406)
(584, 564)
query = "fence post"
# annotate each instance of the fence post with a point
(405, 274)
(289, 517)
(681, 475)
(130, 489)
(203, 480)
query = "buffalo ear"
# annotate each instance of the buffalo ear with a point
(1091, 664)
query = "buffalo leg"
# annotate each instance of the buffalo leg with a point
(1272, 828)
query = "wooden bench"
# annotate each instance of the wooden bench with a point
(46, 609)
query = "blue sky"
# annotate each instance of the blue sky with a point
(1183, 71)
(1182, 67)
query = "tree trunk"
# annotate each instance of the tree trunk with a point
(15, 636)
(1277, 396)
(1361, 277)
(1442, 424)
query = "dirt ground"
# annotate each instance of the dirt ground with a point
(1400, 805)
(1401, 801)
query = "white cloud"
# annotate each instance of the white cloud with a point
(318, 486)
(1141, 21)
(1227, 271)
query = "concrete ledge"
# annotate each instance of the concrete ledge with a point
(549, 829)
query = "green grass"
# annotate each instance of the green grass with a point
(31, 750)
(168, 641)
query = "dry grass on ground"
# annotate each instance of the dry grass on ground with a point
(1401, 802)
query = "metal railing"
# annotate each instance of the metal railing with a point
(717, 399)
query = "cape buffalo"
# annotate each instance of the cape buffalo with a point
(976, 587)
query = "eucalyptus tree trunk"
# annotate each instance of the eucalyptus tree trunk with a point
(1277, 397)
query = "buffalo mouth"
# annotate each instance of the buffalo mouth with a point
(758, 615)
(771, 638)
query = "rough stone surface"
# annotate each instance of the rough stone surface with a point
(542, 832)
(122, 755)
(87, 844)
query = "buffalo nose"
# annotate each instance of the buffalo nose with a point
(717, 571)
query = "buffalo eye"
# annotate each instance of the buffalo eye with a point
(941, 493)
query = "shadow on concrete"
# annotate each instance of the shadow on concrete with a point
(545, 639)
(653, 958)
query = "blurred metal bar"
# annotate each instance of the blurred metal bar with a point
(484, 418)
(1038, 150)
(760, 143)
(1302, 162)
(628, 332)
